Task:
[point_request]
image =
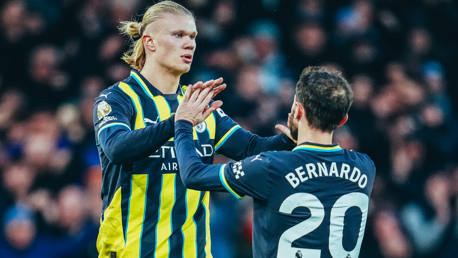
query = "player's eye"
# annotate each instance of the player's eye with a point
(178, 35)
(193, 36)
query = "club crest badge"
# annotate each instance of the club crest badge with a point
(201, 127)
(103, 109)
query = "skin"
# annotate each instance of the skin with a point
(194, 106)
(166, 42)
(170, 43)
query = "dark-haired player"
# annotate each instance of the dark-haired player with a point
(310, 202)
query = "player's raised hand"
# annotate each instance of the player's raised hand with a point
(194, 107)
(217, 86)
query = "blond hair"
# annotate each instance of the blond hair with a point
(136, 56)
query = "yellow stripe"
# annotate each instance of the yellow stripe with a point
(318, 147)
(164, 225)
(139, 123)
(136, 214)
(211, 125)
(143, 83)
(222, 177)
(226, 135)
(194, 133)
(206, 202)
(111, 236)
(163, 107)
(189, 227)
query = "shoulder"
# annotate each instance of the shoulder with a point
(112, 95)
(265, 160)
(362, 158)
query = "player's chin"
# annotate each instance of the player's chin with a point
(184, 68)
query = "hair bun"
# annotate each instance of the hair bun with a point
(140, 32)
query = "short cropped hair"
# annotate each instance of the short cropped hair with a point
(325, 95)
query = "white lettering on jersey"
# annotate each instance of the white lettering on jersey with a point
(169, 166)
(170, 152)
(301, 173)
(356, 176)
(345, 169)
(292, 179)
(107, 119)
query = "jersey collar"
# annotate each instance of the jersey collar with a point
(318, 147)
(147, 87)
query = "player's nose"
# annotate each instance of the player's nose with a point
(190, 44)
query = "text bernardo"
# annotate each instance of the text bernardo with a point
(319, 170)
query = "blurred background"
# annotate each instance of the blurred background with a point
(399, 55)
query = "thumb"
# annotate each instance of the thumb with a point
(282, 129)
(213, 107)
(285, 130)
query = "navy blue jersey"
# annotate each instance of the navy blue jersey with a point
(309, 202)
(147, 211)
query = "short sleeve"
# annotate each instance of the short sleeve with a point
(112, 108)
(247, 177)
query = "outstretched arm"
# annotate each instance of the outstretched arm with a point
(121, 143)
(237, 143)
(250, 176)
(194, 174)
(200, 176)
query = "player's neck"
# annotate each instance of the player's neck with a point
(312, 135)
(161, 78)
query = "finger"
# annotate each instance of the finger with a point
(213, 107)
(218, 82)
(218, 89)
(285, 130)
(203, 95)
(204, 104)
(189, 88)
(281, 128)
(197, 85)
(289, 119)
(208, 84)
(188, 93)
(216, 104)
(194, 95)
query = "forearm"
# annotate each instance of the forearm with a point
(124, 146)
(194, 174)
(257, 144)
(244, 144)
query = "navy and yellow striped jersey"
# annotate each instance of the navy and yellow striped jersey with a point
(309, 202)
(147, 212)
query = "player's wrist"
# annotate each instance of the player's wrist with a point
(183, 122)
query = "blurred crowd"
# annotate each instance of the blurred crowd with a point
(399, 56)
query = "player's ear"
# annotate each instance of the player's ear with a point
(148, 42)
(343, 121)
(299, 110)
